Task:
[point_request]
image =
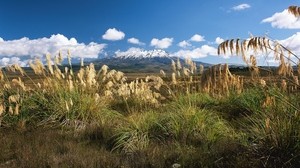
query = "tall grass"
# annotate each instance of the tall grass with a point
(193, 117)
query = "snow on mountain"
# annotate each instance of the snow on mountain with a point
(138, 53)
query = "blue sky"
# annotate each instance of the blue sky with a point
(92, 28)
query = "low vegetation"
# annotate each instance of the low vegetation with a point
(193, 117)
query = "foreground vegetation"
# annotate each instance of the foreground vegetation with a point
(96, 119)
(193, 117)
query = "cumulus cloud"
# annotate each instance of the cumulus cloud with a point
(162, 44)
(12, 60)
(26, 47)
(283, 20)
(184, 44)
(199, 52)
(241, 7)
(197, 38)
(135, 41)
(219, 40)
(113, 34)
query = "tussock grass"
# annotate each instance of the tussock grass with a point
(193, 117)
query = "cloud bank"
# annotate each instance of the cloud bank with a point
(12, 51)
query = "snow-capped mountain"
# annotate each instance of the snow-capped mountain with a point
(138, 53)
(139, 60)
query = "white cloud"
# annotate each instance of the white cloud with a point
(241, 7)
(292, 43)
(135, 41)
(113, 34)
(41, 46)
(200, 52)
(283, 20)
(184, 44)
(197, 38)
(219, 40)
(163, 43)
(12, 60)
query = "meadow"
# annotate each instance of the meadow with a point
(192, 117)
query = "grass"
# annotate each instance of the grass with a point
(90, 118)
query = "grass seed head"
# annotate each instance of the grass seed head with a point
(295, 10)
(1, 75)
(104, 70)
(201, 69)
(7, 86)
(90, 75)
(69, 57)
(67, 106)
(14, 98)
(162, 73)
(17, 67)
(20, 83)
(262, 82)
(173, 66)
(71, 84)
(81, 62)
(186, 72)
(1, 109)
(283, 85)
(10, 110)
(296, 80)
(178, 64)
(174, 78)
(17, 109)
(119, 76)
(49, 63)
(109, 85)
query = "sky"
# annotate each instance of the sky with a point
(94, 29)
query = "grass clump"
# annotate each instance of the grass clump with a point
(274, 130)
(138, 130)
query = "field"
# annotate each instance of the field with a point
(193, 117)
(64, 115)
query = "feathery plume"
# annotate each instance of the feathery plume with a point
(1, 75)
(174, 78)
(201, 69)
(20, 83)
(49, 63)
(81, 62)
(173, 65)
(178, 64)
(1, 109)
(162, 72)
(69, 57)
